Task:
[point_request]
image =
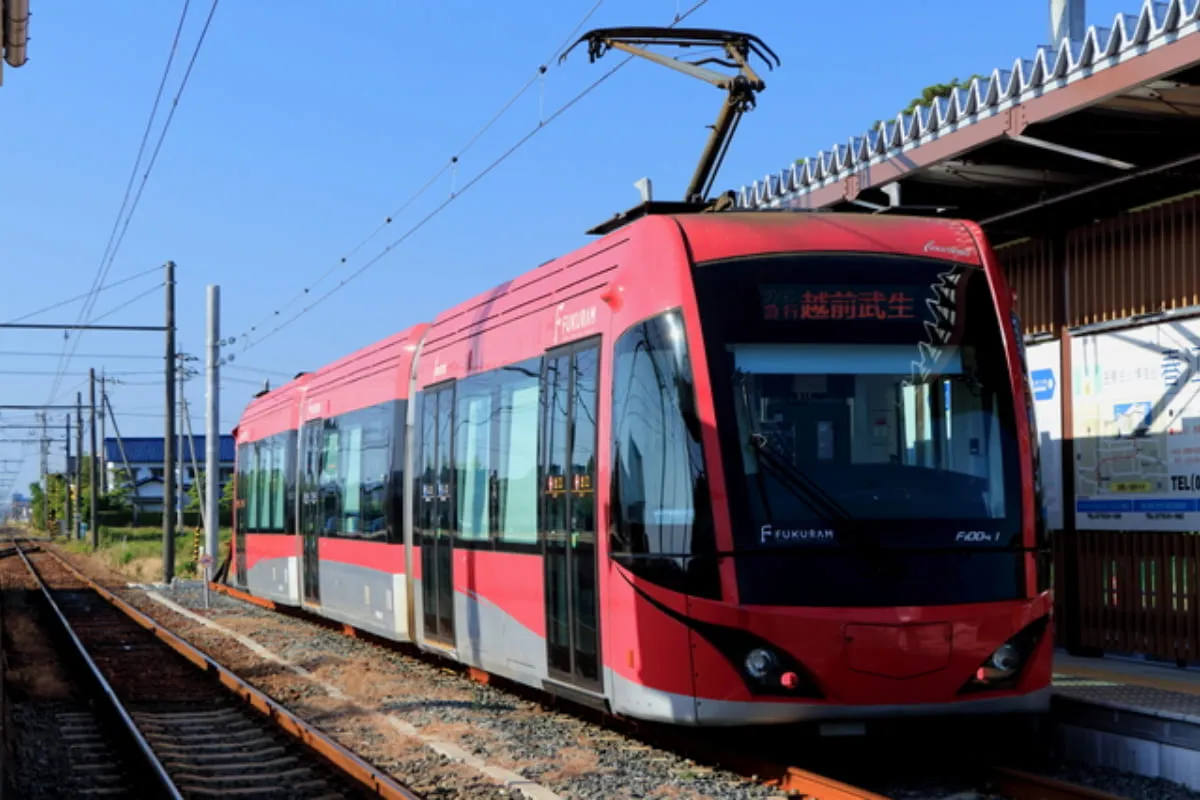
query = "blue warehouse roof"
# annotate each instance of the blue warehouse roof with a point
(149, 449)
(1051, 68)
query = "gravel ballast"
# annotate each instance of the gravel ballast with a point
(388, 706)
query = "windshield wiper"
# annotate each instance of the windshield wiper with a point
(798, 483)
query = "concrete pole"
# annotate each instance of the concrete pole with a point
(70, 531)
(77, 533)
(45, 450)
(103, 434)
(93, 477)
(181, 458)
(212, 429)
(169, 431)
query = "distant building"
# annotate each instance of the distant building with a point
(20, 508)
(145, 456)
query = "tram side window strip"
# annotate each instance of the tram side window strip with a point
(516, 456)
(473, 456)
(357, 473)
(328, 484)
(244, 456)
(662, 517)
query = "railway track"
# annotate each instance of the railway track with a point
(774, 770)
(137, 712)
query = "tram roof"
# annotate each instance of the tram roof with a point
(1079, 131)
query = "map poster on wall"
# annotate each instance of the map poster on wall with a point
(1137, 428)
(1043, 362)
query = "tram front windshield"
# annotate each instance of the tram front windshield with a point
(871, 407)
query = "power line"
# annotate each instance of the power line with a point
(111, 253)
(49, 353)
(83, 296)
(542, 125)
(452, 163)
(162, 84)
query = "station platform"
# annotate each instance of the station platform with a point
(1136, 716)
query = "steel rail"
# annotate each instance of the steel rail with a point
(364, 774)
(158, 771)
(793, 780)
(1020, 785)
(1012, 783)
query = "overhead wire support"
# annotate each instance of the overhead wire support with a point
(741, 88)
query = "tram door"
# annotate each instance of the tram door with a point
(568, 514)
(437, 512)
(311, 442)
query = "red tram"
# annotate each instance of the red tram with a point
(711, 469)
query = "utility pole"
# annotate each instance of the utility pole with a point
(45, 453)
(103, 434)
(169, 431)
(93, 483)
(180, 453)
(76, 533)
(212, 431)
(67, 484)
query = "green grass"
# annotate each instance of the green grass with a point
(137, 552)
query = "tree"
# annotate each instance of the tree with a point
(928, 95)
(931, 93)
(226, 501)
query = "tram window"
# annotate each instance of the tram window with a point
(278, 482)
(583, 460)
(329, 485)
(251, 488)
(290, 440)
(375, 456)
(244, 458)
(660, 501)
(515, 457)
(472, 440)
(350, 476)
(395, 520)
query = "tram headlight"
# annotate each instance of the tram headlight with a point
(1002, 669)
(760, 662)
(1006, 660)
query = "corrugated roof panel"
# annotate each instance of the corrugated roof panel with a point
(1050, 69)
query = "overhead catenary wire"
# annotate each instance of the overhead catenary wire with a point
(111, 252)
(83, 296)
(452, 163)
(542, 125)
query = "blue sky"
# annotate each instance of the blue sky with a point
(302, 128)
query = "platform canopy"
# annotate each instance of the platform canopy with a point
(1107, 120)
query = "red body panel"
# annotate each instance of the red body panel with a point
(376, 555)
(860, 657)
(266, 546)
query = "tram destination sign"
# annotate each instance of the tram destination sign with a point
(834, 303)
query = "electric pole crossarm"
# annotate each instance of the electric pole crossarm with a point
(741, 86)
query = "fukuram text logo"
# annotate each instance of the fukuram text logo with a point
(963, 252)
(770, 534)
